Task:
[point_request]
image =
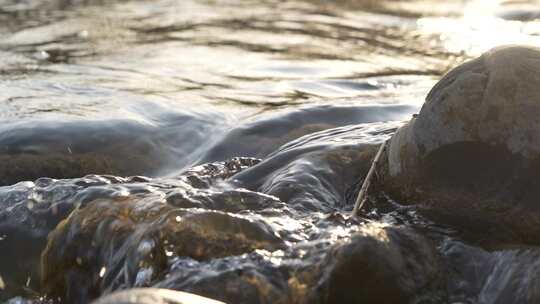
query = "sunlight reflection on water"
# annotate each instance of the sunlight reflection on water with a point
(481, 28)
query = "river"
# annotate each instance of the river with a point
(217, 146)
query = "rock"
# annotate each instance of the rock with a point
(380, 265)
(518, 11)
(153, 296)
(313, 172)
(471, 156)
(130, 242)
(255, 278)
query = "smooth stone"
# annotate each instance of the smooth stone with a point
(114, 244)
(471, 157)
(519, 12)
(494, 99)
(153, 296)
(254, 278)
(381, 265)
(313, 172)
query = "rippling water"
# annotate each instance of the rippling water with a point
(253, 123)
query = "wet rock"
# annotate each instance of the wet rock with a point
(28, 212)
(313, 173)
(380, 265)
(153, 296)
(519, 12)
(257, 277)
(113, 244)
(471, 156)
(31, 210)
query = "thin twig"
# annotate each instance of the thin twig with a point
(362, 195)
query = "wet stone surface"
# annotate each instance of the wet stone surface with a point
(210, 232)
(470, 158)
(200, 231)
(393, 264)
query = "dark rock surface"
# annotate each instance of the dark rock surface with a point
(471, 157)
(381, 265)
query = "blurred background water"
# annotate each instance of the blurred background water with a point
(152, 88)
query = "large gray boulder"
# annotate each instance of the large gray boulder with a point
(471, 156)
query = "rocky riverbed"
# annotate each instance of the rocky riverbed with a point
(165, 151)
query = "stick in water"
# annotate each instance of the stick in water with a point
(362, 195)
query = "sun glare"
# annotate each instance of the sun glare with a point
(480, 28)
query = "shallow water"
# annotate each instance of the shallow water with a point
(93, 92)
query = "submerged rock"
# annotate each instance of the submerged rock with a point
(257, 277)
(381, 265)
(28, 212)
(471, 157)
(31, 210)
(241, 231)
(112, 244)
(313, 173)
(212, 230)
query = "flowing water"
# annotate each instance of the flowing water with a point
(217, 146)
